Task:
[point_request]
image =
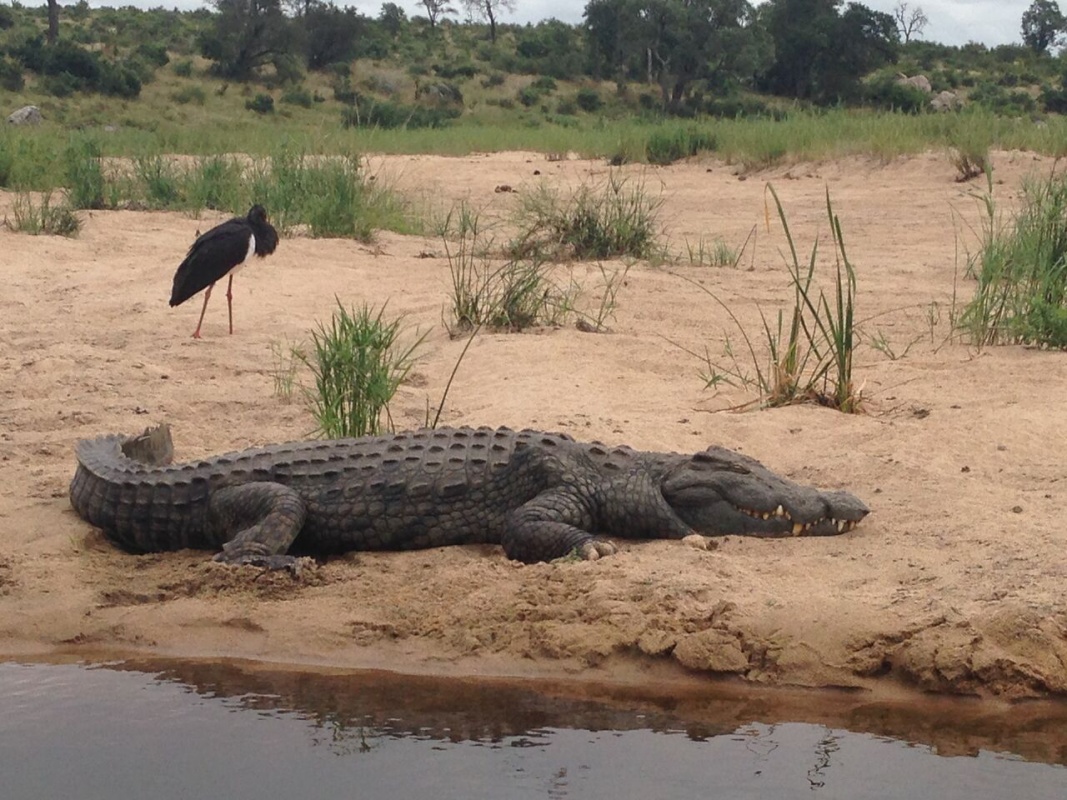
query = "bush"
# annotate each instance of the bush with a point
(668, 145)
(154, 53)
(885, 92)
(452, 71)
(184, 68)
(298, 96)
(62, 85)
(118, 80)
(261, 104)
(544, 84)
(11, 77)
(189, 94)
(588, 99)
(384, 114)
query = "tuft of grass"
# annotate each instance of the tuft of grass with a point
(1021, 270)
(512, 294)
(42, 217)
(85, 174)
(809, 354)
(357, 363)
(285, 360)
(618, 218)
(596, 320)
(213, 182)
(714, 253)
(160, 181)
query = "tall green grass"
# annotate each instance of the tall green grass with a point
(804, 353)
(27, 158)
(1021, 269)
(357, 362)
(332, 195)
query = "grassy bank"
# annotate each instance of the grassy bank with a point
(27, 157)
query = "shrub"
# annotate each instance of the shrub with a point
(189, 94)
(298, 96)
(545, 84)
(588, 99)
(154, 53)
(184, 68)
(261, 104)
(384, 114)
(11, 77)
(665, 146)
(886, 92)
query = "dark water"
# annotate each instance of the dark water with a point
(196, 730)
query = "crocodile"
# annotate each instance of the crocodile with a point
(539, 495)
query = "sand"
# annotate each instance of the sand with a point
(954, 583)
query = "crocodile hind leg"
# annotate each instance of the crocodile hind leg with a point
(256, 523)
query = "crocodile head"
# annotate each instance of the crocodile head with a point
(720, 492)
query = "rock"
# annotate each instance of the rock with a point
(27, 115)
(920, 82)
(946, 101)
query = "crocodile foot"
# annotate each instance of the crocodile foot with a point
(595, 548)
(295, 565)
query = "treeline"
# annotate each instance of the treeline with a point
(688, 56)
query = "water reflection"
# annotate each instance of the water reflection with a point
(190, 729)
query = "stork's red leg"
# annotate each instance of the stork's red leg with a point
(229, 301)
(207, 296)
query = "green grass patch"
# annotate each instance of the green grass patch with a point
(617, 218)
(1021, 270)
(357, 362)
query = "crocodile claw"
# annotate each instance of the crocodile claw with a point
(595, 548)
(293, 564)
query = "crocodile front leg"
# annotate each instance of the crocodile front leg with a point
(256, 523)
(555, 523)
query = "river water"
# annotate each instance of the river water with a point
(161, 730)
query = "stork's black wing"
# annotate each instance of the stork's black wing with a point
(210, 258)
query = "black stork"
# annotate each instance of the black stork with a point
(220, 252)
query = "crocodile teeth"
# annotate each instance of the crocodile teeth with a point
(798, 528)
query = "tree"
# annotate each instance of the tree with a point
(392, 18)
(53, 21)
(488, 10)
(1042, 25)
(436, 9)
(331, 34)
(821, 54)
(676, 44)
(246, 35)
(910, 21)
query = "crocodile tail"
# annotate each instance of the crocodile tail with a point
(122, 486)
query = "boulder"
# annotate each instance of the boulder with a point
(27, 115)
(946, 101)
(920, 82)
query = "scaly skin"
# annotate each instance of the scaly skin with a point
(540, 495)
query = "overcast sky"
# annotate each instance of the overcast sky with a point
(991, 22)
